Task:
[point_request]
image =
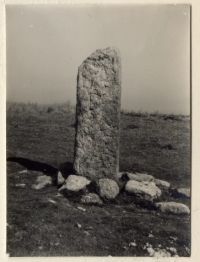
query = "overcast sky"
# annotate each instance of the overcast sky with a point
(46, 44)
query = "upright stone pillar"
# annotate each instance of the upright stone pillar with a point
(98, 115)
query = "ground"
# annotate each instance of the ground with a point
(45, 223)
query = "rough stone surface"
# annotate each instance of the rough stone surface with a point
(144, 190)
(91, 198)
(75, 183)
(41, 182)
(135, 176)
(140, 177)
(162, 183)
(108, 188)
(98, 115)
(184, 192)
(173, 207)
(60, 179)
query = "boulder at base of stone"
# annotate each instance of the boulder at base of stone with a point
(75, 183)
(162, 183)
(136, 176)
(143, 190)
(91, 199)
(42, 181)
(141, 177)
(60, 179)
(173, 208)
(108, 188)
(183, 192)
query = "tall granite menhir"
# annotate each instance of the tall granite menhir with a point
(98, 115)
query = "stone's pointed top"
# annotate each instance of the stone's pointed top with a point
(112, 52)
(109, 57)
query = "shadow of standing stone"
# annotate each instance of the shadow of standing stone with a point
(98, 115)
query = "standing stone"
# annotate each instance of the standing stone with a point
(98, 115)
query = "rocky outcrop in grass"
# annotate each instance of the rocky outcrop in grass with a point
(140, 188)
(75, 183)
(173, 208)
(143, 190)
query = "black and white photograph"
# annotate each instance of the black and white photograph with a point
(98, 130)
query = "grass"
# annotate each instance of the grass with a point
(154, 143)
(159, 146)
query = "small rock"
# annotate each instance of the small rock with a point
(172, 250)
(140, 177)
(86, 233)
(78, 225)
(91, 198)
(156, 252)
(132, 244)
(151, 251)
(20, 185)
(144, 190)
(25, 171)
(173, 207)
(60, 179)
(89, 228)
(161, 253)
(75, 183)
(184, 192)
(108, 188)
(81, 208)
(162, 183)
(52, 201)
(42, 181)
(150, 235)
